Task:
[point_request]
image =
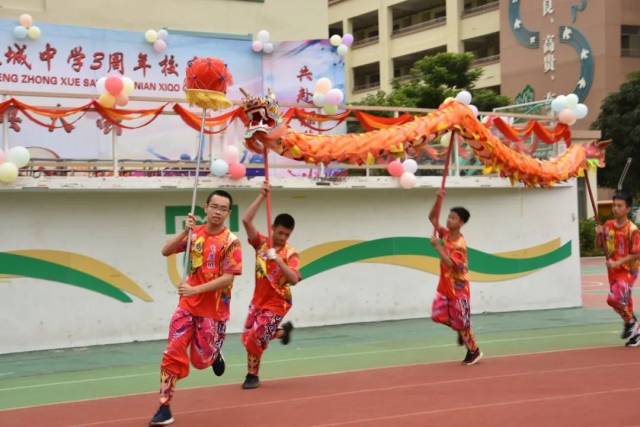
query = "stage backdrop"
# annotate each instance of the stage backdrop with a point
(69, 60)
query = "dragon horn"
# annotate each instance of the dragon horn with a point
(245, 93)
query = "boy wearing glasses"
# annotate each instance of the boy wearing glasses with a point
(198, 325)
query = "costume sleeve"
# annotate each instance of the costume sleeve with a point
(232, 261)
(258, 241)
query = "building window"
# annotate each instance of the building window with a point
(485, 48)
(412, 15)
(402, 65)
(366, 77)
(336, 28)
(471, 6)
(630, 40)
(365, 28)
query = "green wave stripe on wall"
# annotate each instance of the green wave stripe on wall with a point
(19, 265)
(480, 262)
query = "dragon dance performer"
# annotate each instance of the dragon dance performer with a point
(198, 325)
(451, 305)
(276, 272)
(620, 239)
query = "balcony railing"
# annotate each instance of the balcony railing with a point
(366, 87)
(437, 22)
(480, 9)
(365, 42)
(487, 60)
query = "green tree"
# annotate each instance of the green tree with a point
(619, 120)
(433, 79)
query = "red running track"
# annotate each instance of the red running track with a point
(589, 387)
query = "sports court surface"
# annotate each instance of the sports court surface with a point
(554, 367)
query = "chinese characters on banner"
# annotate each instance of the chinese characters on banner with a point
(304, 94)
(72, 59)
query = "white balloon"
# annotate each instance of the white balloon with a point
(408, 180)
(318, 99)
(263, 36)
(163, 34)
(474, 109)
(8, 173)
(219, 167)
(572, 100)
(335, 40)
(464, 97)
(559, 103)
(100, 85)
(19, 156)
(581, 111)
(342, 50)
(410, 165)
(268, 47)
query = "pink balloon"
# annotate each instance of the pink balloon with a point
(231, 154)
(122, 100)
(26, 20)
(237, 171)
(408, 180)
(257, 46)
(334, 97)
(114, 85)
(395, 168)
(567, 116)
(159, 45)
(2, 156)
(347, 39)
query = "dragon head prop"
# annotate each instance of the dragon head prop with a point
(263, 118)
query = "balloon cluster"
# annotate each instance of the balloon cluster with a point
(464, 97)
(262, 43)
(114, 90)
(405, 171)
(26, 28)
(158, 39)
(341, 44)
(327, 97)
(230, 163)
(568, 109)
(16, 158)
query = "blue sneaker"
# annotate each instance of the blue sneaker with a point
(162, 417)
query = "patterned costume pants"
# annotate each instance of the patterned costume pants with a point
(191, 339)
(455, 313)
(260, 328)
(620, 298)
